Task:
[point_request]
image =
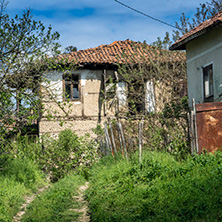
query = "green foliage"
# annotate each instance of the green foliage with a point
(18, 177)
(205, 11)
(176, 109)
(173, 131)
(57, 157)
(24, 171)
(163, 44)
(158, 189)
(25, 45)
(70, 48)
(56, 203)
(166, 130)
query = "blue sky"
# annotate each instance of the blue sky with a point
(89, 23)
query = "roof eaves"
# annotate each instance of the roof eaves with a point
(181, 45)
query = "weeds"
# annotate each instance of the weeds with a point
(57, 203)
(19, 178)
(160, 189)
(58, 157)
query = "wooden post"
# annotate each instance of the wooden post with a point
(82, 99)
(117, 105)
(193, 148)
(112, 137)
(195, 126)
(102, 146)
(140, 128)
(120, 138)
(105, 96)
(108, 139)
(123, 140)
(190, 132)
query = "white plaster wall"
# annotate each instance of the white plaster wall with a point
(203, 51)
(53, 83)
(121, 94)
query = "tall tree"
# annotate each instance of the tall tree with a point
(163, 44)
(70, 48)
(25, 45)
(185, 24)
(203, 12)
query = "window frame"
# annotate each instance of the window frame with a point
(205, 69)
(71, 86)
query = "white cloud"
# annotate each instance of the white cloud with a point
(109, 22)
(86, 33)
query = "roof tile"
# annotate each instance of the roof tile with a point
(117, 52)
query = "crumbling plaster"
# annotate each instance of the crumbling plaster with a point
(81, 115)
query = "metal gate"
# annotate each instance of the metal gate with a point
(207, 127)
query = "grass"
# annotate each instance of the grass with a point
(160, 189)
(19, 177)
(56, 203)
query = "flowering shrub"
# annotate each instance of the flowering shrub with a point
(57, 157)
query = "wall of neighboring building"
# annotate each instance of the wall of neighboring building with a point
(201, 52)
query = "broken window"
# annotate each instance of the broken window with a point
(208, 83)
(136, 97)
(72, 86)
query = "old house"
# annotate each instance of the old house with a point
(81, 98)
(203, 47)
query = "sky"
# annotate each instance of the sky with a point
(90, 23)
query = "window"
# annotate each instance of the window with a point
(208, 83)
(72, 86)
(136, 97)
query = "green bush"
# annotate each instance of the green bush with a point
(18, 178)
(159, 189)
(56, 203)
(57, 157)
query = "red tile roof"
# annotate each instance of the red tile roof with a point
(201, 29)
(118, 52)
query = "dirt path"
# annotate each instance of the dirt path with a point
(84, 209)
(28, 200)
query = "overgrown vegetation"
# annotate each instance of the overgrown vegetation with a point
(56, 157)
(24, 163)
(57, 203)
(151, 97)
(159, 189)
(19, 177)
(25, 45)
(164, 186)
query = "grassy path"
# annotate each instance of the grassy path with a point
(84, 204)
(63, 201)
(80, 198)
(28, 200)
